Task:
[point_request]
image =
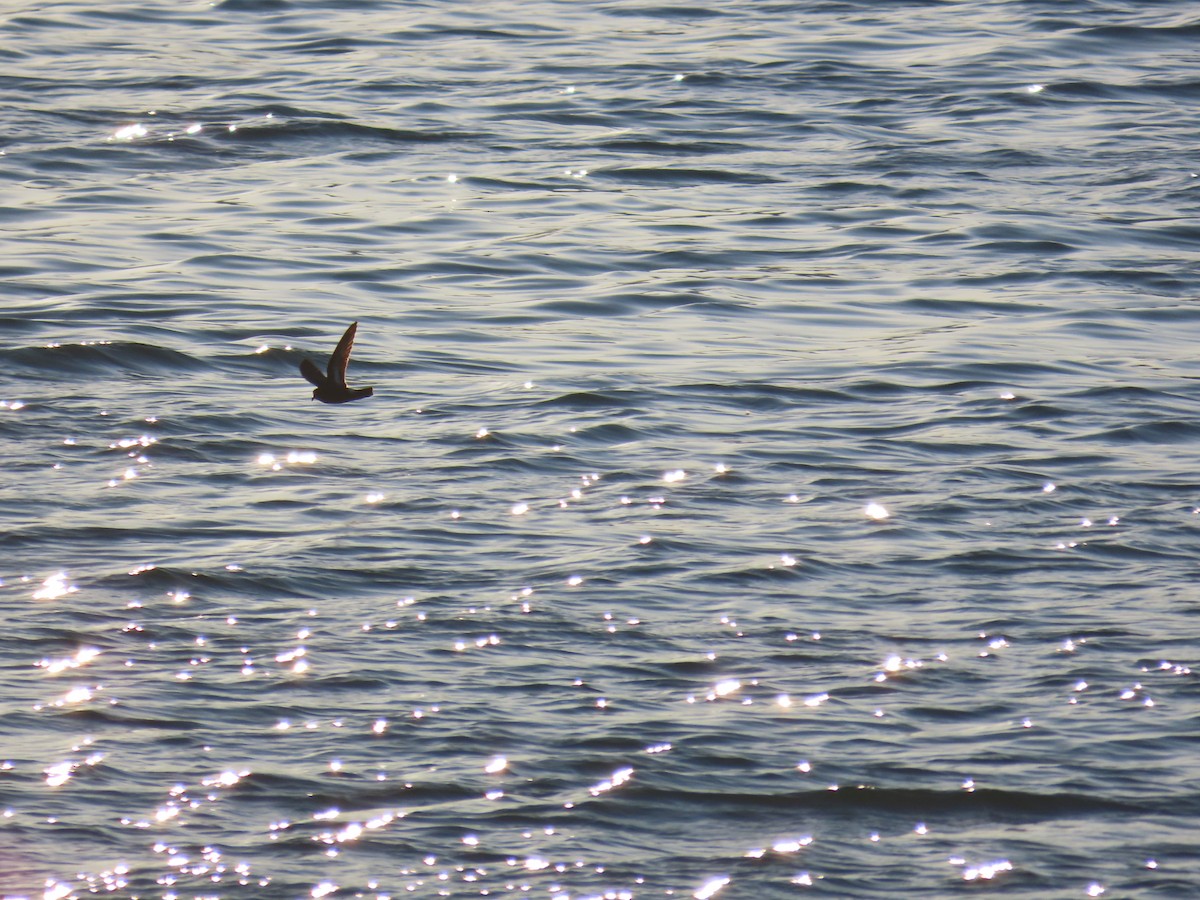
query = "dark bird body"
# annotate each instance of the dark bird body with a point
(331, 386)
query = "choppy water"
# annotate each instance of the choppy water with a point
(780, 479)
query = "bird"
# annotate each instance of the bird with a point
(331, 386)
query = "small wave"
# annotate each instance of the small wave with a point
(664, 175)
(981, 804)
(1169, 431)
(253, 5)
(101, 357)
(590, 400)
(121, 719)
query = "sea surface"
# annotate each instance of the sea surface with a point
(781, 478)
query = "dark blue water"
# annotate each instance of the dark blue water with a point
(781, 478)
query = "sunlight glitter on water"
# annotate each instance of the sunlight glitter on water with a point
(496, 764)
(165, 813)
(292, 457)
(129, 132)
(54, 587)
(618, 778)
(876, 511)
(59, 773)
(792, 845)
(983, 871)
(724, 688)
(710, 888)
(82, 657)
(228, 778)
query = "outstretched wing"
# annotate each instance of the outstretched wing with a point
(341, 356)
(311, 373)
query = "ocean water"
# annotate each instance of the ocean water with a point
(781, 478)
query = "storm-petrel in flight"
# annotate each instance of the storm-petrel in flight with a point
(331, 387)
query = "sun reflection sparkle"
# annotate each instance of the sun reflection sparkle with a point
(129, 132)
(618, 778)
(792, 845)
(54, 587)
(876, 511)
(983, 871)
(710, 888)
(82, 657)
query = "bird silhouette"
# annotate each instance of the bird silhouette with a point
(331, 386)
